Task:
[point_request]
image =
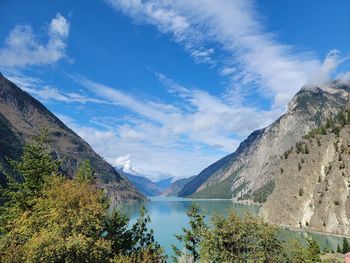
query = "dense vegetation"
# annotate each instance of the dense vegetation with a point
(46, 217)
(246, 239)
(49, 218)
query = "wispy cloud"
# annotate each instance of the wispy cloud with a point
(23, 48)
(46, 93)
(256, 59)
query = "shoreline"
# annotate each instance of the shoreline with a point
(296, 229)
(242, 202)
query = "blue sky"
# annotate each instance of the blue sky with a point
(168, 87)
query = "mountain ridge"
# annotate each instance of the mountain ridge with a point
(22, 117)
(248, 167)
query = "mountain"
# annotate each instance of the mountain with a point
(143, 184)
(248, 173)
(165, 183)
(175, 187)
(312, 182)
(22, 117)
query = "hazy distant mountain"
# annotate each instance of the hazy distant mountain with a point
(165, 183)
(22, 116)
(143, 184)
(247, 173)
(176, 187)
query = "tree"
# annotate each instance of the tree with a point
(34, 167)
(84, 172)
(116, 230)
(346, 246)
(297, 253)
(64, 225)
(247, 239)
(143, 239)
(192, 236)
(56, 219)
(339, 250)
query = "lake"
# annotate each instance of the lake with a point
(168, 216)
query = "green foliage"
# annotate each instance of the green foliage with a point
(297, 253)
(339, 250)
(117, 232)
(219, 190)
(143, 238)
(301, 192)
(34, 168)
(84, 172)
(346, 246)
(192, 236)
(260, 195)
(287, 153)
(232, 239)
(55, 219)
(299, 167)
(65, 223)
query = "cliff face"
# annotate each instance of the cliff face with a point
(249, 172)
(22, 116)
(312, 183)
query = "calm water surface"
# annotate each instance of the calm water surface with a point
(168, 216)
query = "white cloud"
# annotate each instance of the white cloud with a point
(259, 59)
(154, 159)
(200, 118)
(23, 47)
(344, 76)
(45, 93)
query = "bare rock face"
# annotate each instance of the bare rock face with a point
(249, 173)
(312, 187)
(22, 117)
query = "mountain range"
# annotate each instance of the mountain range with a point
(22, 117)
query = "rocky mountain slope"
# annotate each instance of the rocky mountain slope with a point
(176, 187)
(22, 116)
(312, 182)
(249, 173)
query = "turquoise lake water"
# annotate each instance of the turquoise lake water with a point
(168, 216)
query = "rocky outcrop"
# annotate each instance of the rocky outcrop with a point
(250, 171)
(22, 117)
(312, 183)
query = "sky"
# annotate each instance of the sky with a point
(166, 88)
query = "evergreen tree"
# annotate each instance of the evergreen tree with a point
(116, 230)
(34, 167)
(247, 239)
(84, 172)
(192, 236)
(143, 238)
(346, 246)
(339, 250)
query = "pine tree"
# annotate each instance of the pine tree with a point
(34, 167)
(346, 246)
(84, 172)
(143, 238)
(193, 235)
(339, 250)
